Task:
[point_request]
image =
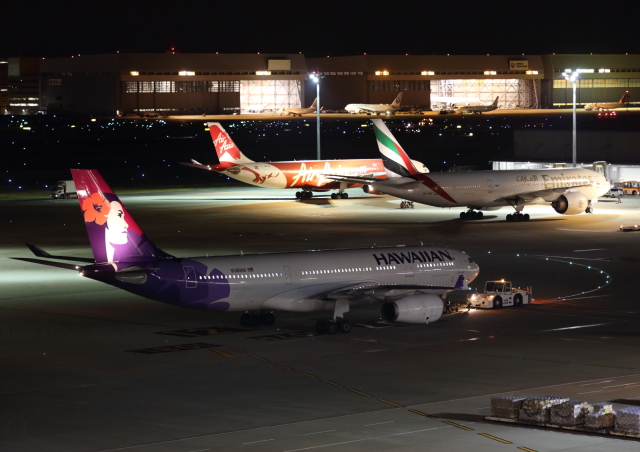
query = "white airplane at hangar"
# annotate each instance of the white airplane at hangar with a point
(609, 106)
(386, 109)
(299, 111)
(405, 279)
(570, 191)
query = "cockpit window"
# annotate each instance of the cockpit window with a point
(470, 260)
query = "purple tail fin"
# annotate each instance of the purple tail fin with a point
(113, 233)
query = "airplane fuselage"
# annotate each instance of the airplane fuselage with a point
(479, 189)
(302, 281)
(306, 174)
(371, 108)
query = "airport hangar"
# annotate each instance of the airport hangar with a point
(179, 83)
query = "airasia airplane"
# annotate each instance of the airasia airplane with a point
(306, 176)
(406, 280)
(570, 191)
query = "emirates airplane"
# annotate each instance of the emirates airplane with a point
(306, 176)
(406, 280)
(387, 109)
(570, 191)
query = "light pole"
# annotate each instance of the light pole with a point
(573, 77)
(316, 79)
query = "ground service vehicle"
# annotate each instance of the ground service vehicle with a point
(64, 189)
(631, 187)
(500, 293)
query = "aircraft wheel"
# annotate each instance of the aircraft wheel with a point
(298, 195)
(321, 327)
(255, 320)
(309, 194)
(497, 302)
(268, 319)
(463, 215)
(345, 195)
(245, 319)
(332, 328)
(334, 196)
(526, 217)
(480, 215)
(344, 326)
(509, 217)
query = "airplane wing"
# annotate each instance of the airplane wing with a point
(403, 183)
(544, 194)
(219, 167)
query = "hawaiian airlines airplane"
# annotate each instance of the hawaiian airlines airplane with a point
(611, 105)
(406, 280)
(570, 191)
(307, 176)
(299, 111)
(387, 109)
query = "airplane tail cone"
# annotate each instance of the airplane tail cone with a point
(113, 233)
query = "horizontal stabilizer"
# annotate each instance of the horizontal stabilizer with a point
(49, 263)
(220, 167)
(39, 252)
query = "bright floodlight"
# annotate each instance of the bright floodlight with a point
(571, 76)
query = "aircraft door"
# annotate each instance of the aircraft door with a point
(190, 277)
(408, 269)
(287, 274)
(490, 185)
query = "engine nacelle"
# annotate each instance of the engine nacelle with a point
(417, 308)
(571, 203)
(369, 189)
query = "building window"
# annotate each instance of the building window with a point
(130, 87)
(229, 86)
(146, 87)
(165, 87)
(212, 87)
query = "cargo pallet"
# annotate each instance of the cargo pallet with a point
(575, 428)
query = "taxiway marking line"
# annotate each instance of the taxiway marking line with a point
(236, 349)
(221, 353)
(334, 384)
(527, 449)
(306, 374)
(391, 403)
(423, 414)
(317, 433)
(259, 358)
(260, 441)
(495, 438)
(459, 426)
(611, 367)
(360, 392)
(283, 367)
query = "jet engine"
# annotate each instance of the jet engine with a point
(369, 189)
(416, 308)
(571, 203)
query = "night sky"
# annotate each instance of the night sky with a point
(320, 28)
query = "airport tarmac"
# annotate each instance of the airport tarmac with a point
(86, 367)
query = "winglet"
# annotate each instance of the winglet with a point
(39, 252)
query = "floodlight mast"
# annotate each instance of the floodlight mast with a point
(573, 77)
(316, 79)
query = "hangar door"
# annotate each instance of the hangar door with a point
(513, 92)
(265, 95)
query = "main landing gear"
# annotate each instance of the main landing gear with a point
(339, 195)
(304, 194)
(518, 216)
(471, 215)
(257, 319)
(339, 323)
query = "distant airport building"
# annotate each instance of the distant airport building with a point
(172, 83)
(176, 83)
(19, 86)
